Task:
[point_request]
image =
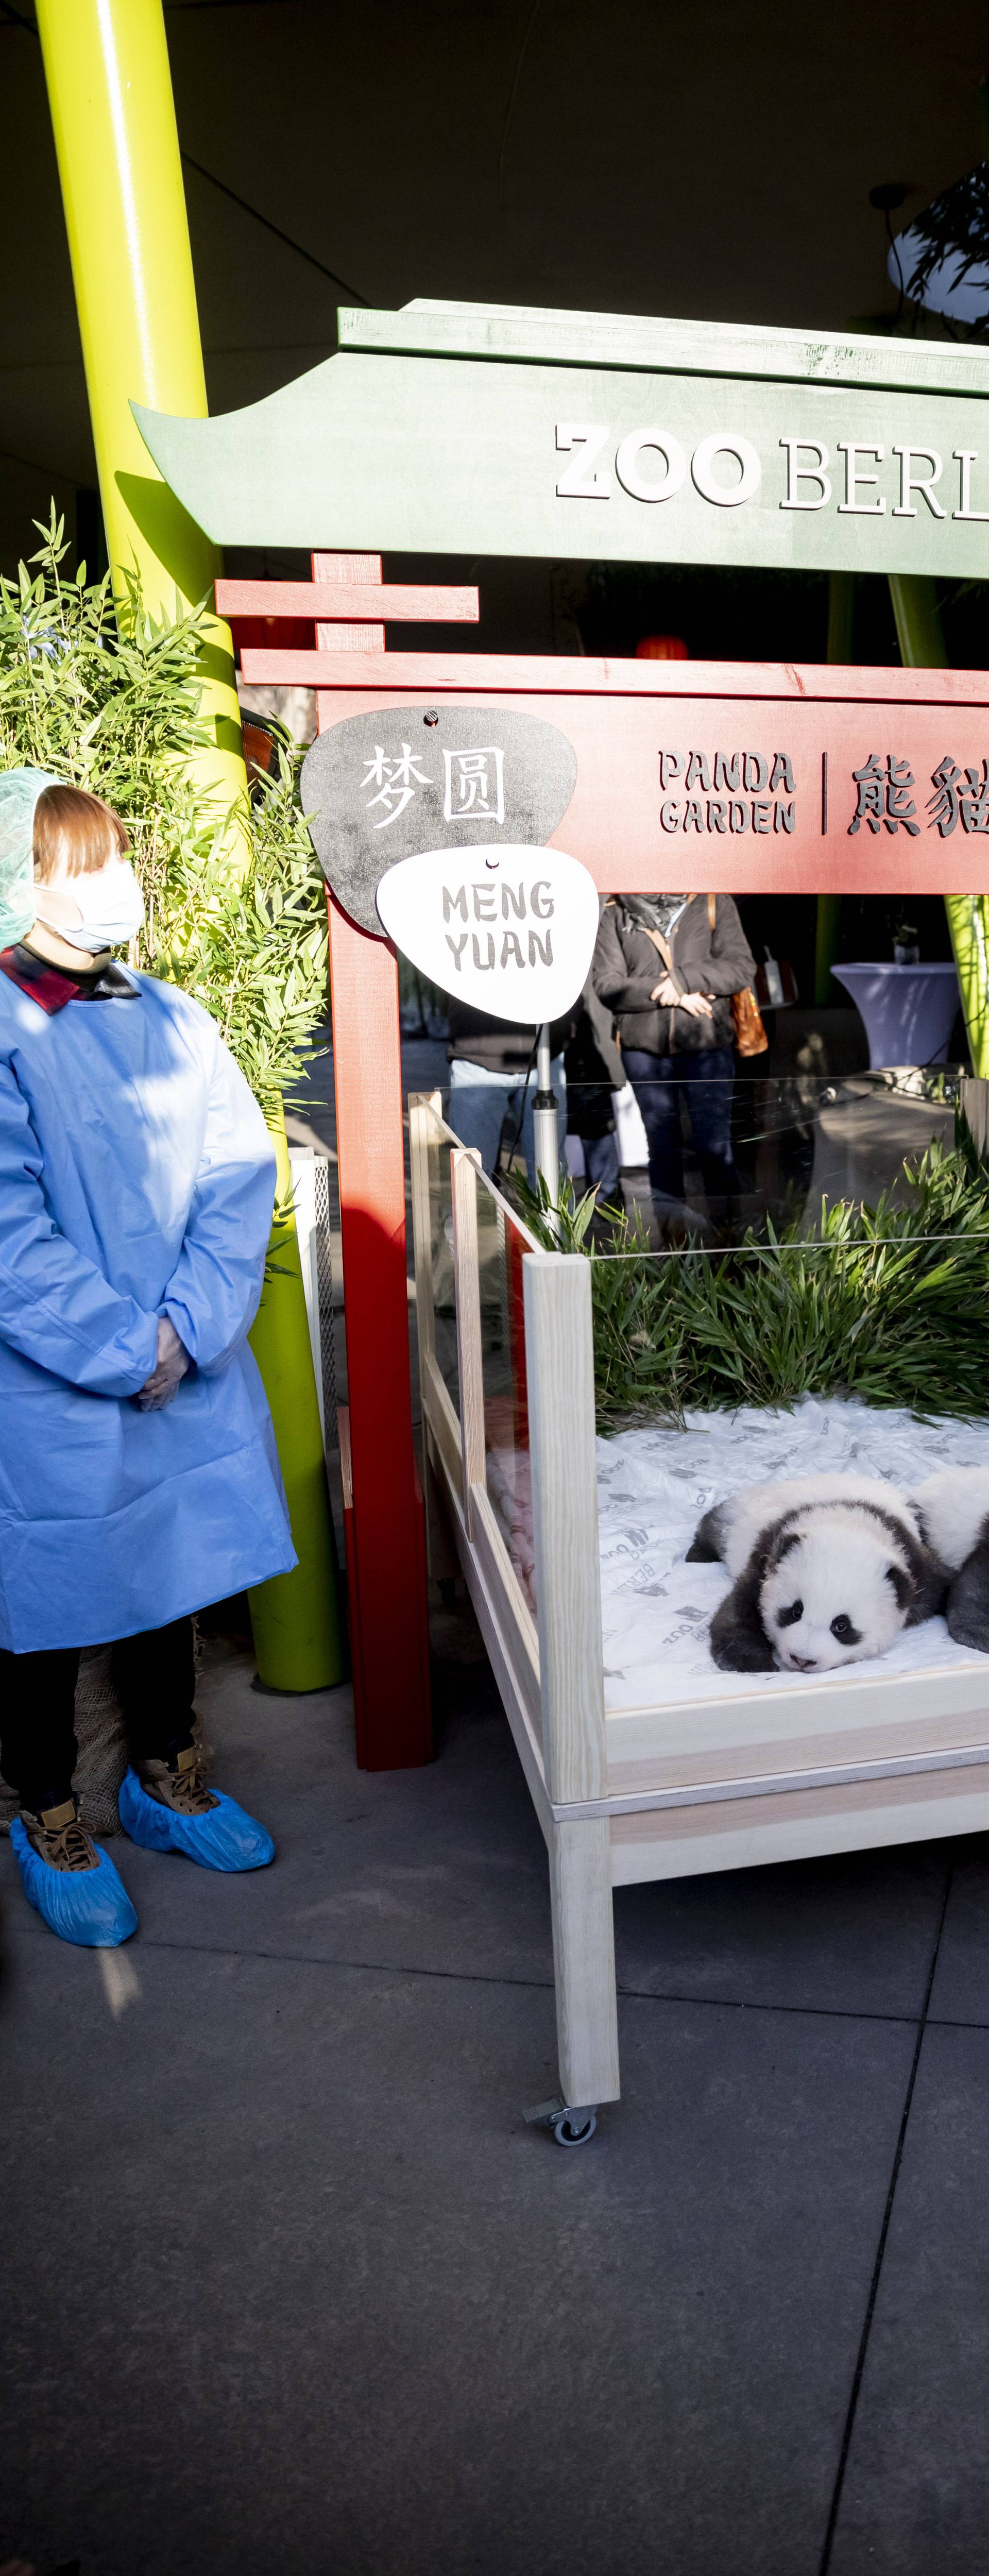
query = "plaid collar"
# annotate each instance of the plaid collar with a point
(52, 988)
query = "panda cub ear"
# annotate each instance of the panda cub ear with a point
(707, 1546)
(920, 1586)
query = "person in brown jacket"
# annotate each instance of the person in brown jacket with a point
(674, 1022)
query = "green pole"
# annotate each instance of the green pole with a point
(113, 115)
(920, 635)
(294, 1617)
(826, 946)
(841, 629)
(841, 616)
(919, 632)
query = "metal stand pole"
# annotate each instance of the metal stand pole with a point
(546, 1121)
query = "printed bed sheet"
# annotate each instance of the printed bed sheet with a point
(653, 1486)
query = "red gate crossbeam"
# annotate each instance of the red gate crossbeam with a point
(383, 1508)
(587, 675)
(398, 603)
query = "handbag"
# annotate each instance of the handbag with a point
(750, 1034)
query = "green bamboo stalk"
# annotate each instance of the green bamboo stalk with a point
(920, 635)
(826, 945)
(296, 1626)
(841, 630)
(841, 616)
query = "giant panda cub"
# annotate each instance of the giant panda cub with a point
(953, 1509)
(827, 1569)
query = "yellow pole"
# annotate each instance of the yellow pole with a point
(110, 94)
(922, 647)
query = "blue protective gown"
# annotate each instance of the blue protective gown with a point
(136, 1180)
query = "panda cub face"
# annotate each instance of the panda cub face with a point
(832, 1592)
(826, 1570)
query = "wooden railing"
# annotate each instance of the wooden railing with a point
(553, 1655)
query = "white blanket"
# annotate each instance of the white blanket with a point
(653, 1486)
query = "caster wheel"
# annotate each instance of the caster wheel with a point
(576, 2131)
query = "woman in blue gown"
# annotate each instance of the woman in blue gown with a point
(139, 1478)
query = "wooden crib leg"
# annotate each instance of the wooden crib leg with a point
(584, 1961)
(442, 1561)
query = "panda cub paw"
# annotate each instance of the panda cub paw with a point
(738, 1641)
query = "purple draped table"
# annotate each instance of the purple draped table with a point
(909, 1011)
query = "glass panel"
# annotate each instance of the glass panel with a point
(729, 1155)
(490, 1114)
(802, 1143)
(501, 1248)
(830, 1318)
(706, 1163)
(857, 1263)
(440, 1147)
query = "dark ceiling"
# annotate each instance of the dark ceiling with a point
(710, 160)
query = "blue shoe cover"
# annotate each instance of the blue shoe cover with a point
(225, 1838)
(89, 1906)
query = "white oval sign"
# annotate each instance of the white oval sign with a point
(508, 927)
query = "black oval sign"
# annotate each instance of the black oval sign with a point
(385, 786)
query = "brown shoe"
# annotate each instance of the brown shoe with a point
(57, 1836)
(179, 1785)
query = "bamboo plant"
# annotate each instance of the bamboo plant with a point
(887, 1303)
(108, 697)
(111, 702)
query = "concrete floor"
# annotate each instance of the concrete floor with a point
(289, 2285)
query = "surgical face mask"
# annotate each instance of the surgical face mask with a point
(111, 904)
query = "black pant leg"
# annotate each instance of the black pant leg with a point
(156, 1677)
(37, 1723)
(709, 1085)
(654, 1082)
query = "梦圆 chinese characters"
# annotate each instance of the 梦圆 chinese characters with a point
(473, 784)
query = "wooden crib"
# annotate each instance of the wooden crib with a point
(664, 1790)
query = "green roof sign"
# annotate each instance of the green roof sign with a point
(503, 430)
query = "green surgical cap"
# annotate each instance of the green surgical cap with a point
(19, 793)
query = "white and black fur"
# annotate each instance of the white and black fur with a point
(953, 1510)
(827, 1570)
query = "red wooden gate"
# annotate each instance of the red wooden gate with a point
(383, 1506)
